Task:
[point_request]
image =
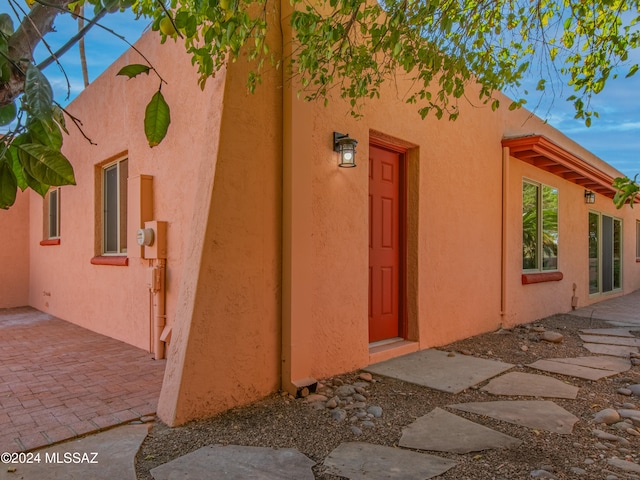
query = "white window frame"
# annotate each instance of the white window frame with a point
(120, 223)
(540, 228)
(53, 193)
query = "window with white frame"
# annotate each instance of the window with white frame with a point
(114, 207)
(539, 227)
(51, 214)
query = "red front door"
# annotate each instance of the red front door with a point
(384, 243)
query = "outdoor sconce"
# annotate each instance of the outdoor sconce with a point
(346, 147)
(589, 197)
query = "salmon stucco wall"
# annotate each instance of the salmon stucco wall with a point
(456, 287)
(454, 221)
(115, 300)
(524, 301)
(226, 341)
(14, 253)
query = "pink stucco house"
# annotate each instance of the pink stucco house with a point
(271, 266)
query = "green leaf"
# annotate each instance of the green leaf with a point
(157, 118)
(5, 70)
(8, 113)
(45, 133)
(16, 164)
(38, 95)
(38, 187)
(6, 24)
(47, 165)
(8, 185)
(632, 71)
(134, 70)
(58, 117)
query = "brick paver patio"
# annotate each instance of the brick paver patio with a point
(59, 381)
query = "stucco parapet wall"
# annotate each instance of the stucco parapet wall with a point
(541, 152)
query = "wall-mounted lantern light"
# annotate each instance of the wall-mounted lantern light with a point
(346, 147)
(589, 196)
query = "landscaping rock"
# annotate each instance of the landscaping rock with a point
(553, 337)
(338, 415)
(608, 416)
(375, 411)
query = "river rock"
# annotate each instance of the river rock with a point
(345, 391)
(375, 411)
(316, 397)
(608, 416)
(553, 337)
(338, 414)
(542, 474)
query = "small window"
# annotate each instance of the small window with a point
(637, 239)
(539, 227)
(51, 214)
(114, 208)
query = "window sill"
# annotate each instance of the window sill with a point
(118, 261)
(529, 278)
(50, 241)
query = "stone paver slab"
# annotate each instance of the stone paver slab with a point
(608, 340)
(538, 414)
(363, 461)
(235, 462)
(612, 350)
(442, 431)
(529, 385)
(612, 332)
(634, 327)
(570, 370)
(604, 362)
(436, 369)
(114, 450)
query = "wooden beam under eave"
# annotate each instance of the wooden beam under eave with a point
(558, 170)
(543, 162)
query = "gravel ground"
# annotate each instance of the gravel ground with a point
(283, 422)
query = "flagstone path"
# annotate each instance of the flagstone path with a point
(529, 385)
(440, 370)
(615, 350)
(234, 462)
(439, 430)
(364, 461)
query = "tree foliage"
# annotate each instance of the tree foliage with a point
(348, 46)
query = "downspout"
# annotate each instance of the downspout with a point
(505, 217)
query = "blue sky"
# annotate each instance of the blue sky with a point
(614, 137)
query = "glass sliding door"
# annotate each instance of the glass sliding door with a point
(617, 254)
(594, 253)
(605, 253)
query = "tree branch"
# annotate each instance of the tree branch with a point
(37, 23)
(72, 41)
